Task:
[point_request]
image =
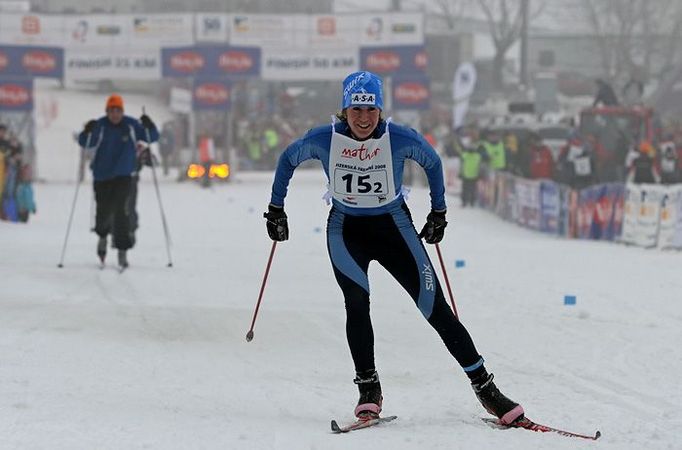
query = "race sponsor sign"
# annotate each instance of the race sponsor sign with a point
(97, 30)
(406, 60)
(211, 27)
(550, 207)
(211, 94)
(24, 61)
(16, 94)
(31, 29)
(268, 30)
(528, 202)
(100, 64)
(160, 29)
(390, 29)
(411, 93)
(211, 61)
(308, 64)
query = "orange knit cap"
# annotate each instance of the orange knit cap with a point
(114, 101)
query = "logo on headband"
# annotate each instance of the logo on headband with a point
(363, 99)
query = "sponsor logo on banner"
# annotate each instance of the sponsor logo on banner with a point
(108, 30)
(403, 28)
(187, 62)
(375, 28)
(411, 93)
(241, 24)
(421, 60)
(235, 61)
(38, 61)
(4, 61)
(80, 31)
(211, 25)
(14, 95)
(212, 93)
(382, 61)
(326, 26)
(30, 25)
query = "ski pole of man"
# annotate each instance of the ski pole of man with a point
(363, 155)
(115, 149)
(249, 334)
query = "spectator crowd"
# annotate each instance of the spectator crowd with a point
(16, 191)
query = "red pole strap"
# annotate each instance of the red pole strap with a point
(447, 281)
(249, 335)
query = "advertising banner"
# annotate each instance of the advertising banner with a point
(16, 94)
(631, 203)
(528, 203)
(23, 61)
(268, 30)
(649, 215)
(676, 241)
(211, 61)
(96, 64)
(308, 64)
(411, 92)
(407, 60)
(161, 29)
(211, 27)
(550, 207)
(669, 217)
(390, 29)
(31, 29)
(211, 94)
(97, 30)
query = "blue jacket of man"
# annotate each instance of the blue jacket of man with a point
(406, 143)
(114, 146)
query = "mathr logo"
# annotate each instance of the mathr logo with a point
(382, 61)
(38, 61)
(212, 93)
(14, 95)
(235, 61)
(30, 25)
(187, 62)
(411, 92)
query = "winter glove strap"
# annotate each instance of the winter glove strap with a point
(434, 228)
(278, 228)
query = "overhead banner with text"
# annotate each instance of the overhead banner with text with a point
(211, 61)
(282, 65)
(91, 64)
(16, 94)
(24, 61)
(403, 60)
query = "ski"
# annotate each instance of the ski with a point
(528, 424)
(360, 424)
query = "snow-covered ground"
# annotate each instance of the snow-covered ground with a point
(156, 357)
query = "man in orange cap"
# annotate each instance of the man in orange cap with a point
(115, 141)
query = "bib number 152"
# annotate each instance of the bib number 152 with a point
(362, 184)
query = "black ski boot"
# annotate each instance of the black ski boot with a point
(495, 402)
(102, 248)
(369, 404)
(122, 259)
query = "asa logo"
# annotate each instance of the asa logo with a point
(187, 62)
(212, 93)
(4, 61)
(14, 95)
(38, 61)
(362, 99)
(235, 61)
(382, 61)
(421, 59)
(411, 93)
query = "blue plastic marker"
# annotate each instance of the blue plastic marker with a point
(459, 263)
(317, 229)
(569, 299)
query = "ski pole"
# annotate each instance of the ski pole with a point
(249, 335)
(158, 196)
(447, 281)
(73, 208)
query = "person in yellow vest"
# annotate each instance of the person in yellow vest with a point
(470, 171)
(494, 148)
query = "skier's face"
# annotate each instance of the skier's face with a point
(115, 115)
(362, 120)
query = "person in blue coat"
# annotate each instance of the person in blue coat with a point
(115, 142)
(363, 156)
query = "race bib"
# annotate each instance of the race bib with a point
(582, 166)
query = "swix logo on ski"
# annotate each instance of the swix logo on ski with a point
(363, 99)
(383, 61)
(37, 61)
(428, 277)
(411, 92)
(362, 153)
(14, 95)
(4, 61)
(235, 61)
(212, 93)
(187, 62)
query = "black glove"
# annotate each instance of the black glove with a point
(434, 228)
(145, 157)
(90, 126)
(147, 122)
(278, 228)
